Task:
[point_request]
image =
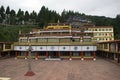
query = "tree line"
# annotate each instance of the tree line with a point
(45, 16)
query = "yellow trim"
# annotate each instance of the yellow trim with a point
(64, 56)
(88, 57)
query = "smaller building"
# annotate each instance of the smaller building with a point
(6, 49)
(102, 33)
(110, 49)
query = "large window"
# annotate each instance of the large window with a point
(77, 40)
(32, 40)
(23, 40)
(88, 54)
(87, 40)
(65, 53)
(53, 40)
(42, 40)
(42, 53)
(7, 46)
(105, 46)
(76, 54)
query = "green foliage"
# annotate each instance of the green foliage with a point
(117, 26)
(14, 19)
(10, 33)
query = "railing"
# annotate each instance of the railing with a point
(107, 50)
(53, 43)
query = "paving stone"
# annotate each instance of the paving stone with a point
(60, 70)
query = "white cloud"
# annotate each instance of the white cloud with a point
(108, 8)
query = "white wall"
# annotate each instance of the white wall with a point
(56, 48)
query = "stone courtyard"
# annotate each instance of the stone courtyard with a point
(60, 70)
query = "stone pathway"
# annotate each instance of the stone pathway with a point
(60, 70)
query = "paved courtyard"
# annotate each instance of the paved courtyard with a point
(60, 70)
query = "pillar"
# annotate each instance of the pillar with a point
(16, 54)
(102, 54)
(113, 56)
(46, 54)
(94, 55)
(70, 54)
(118, 58)
(8, 54)
(26, 55)
(36, 58)
(0, 54)
(82, 57)
(110, 55)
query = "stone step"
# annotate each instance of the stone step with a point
(52, 59)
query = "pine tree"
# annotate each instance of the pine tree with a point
(7, 15)
(12, 17)
(33, 17)
(26, 17)
(117, 26)
(20, 16)
(2, 14)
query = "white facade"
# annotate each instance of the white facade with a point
(56, 48)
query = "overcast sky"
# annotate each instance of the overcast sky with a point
(108, 8)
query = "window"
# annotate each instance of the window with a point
(23, 40)
(75, 54)
(105, 46)
(110, 29)
(95, 34)
(86, 40)
(32, 40)
(7, 46)
(106, 34)
(42, 39)
(87, 54)
(53, 40)
(102, 34)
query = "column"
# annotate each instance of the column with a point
(8, 54)
(26, 55)
(118, 58)
(94, 55)
(16, 54)
(113, 56)
(36, 56)
(0, 54)
(70, 54)
(82, 57)
(46, 54)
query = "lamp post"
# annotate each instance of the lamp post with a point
(30, 72)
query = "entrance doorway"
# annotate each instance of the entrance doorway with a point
(53, 54)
